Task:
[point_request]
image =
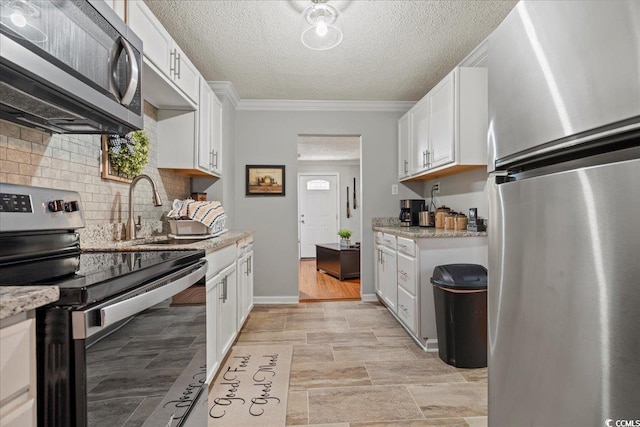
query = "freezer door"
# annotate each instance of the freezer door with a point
(561, 68)
(564, 295)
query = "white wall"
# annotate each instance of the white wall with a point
(270, 137)
(346, 172)
(461, 192)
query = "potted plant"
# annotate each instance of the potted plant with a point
(344, 234)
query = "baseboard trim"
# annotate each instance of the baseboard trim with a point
(369, 297)
(276, 300)
(432, 345)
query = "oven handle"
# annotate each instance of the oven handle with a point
(86, 323)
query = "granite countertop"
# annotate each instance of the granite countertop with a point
(427, 232)
(17, 299)
(147, 244)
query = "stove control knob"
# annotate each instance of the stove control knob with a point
(71, 206)
(56, 205)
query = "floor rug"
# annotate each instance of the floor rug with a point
(251, 387)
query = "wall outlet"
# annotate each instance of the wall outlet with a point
(436, 188)
(394, 189)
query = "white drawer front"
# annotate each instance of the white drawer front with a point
(407, 246)
(408, 273)
(407, 309)
(389, 240)
(379, 237)
(16, 358)
(221, 259)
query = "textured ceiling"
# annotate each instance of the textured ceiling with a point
(392, 50)
(328, 148)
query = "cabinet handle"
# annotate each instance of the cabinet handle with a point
(211, 159)
(224, 290)
(406, 167)
(179, 66)
(428, 158)
(424, 159)
(172, 63)
(246, 267)
(215, 159)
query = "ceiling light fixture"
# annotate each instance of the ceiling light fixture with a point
(323, 31)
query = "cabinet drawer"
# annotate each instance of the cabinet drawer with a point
(389, 240)
(221, 259)
(16, 358)
(407, 309)
(408, 273)
(407, 246)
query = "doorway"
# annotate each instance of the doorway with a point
(328, 187)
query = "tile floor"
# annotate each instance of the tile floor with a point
(353, 365)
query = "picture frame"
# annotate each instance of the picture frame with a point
(265, 180)
(106, 168)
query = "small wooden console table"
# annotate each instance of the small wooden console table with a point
(340, 262)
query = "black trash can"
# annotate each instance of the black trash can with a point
(460, 295)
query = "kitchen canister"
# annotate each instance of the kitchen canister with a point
(450, 221)
(441, 212)
(461, 222)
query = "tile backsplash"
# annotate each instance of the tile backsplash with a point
(72, 162)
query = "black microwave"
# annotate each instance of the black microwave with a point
(69, 66)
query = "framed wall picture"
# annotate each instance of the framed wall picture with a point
(265, 180)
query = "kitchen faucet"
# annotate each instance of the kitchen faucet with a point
(131, 225)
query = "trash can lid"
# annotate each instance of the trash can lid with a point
(460, 276)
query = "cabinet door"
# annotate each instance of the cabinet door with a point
(227, 310)
(403, 145)
(249, 284)
(185, 74)
(212, 324)
(441, 123)
(389, 282)
(377, 271)
(156, 40)
(205, 125)
(242, 271)
(419, 136)
(216, 135)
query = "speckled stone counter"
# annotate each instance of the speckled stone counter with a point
(427, 232)
(147, 244)
(17, 299)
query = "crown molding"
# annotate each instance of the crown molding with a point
(300, 105)
(226, 89)
(478, 57)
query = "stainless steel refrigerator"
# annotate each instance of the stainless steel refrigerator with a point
(564, 237)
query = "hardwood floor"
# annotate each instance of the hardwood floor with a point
(195, 295)
(318, 286)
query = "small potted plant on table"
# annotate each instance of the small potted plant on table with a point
(344, 234)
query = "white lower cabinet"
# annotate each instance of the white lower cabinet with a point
(229, 299)
(18, 373)
(227, 310)
(412, 262)
(407, 309)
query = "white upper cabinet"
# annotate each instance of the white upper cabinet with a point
(448, 127)
(419, 145)
(216, 136)
(169, 79)
(209, 157)
(441, 127)
(404, 129)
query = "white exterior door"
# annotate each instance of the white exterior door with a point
(318, 212)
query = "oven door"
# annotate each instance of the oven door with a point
(132, 360)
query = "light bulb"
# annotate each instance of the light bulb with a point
(321, 27)
(20, 21)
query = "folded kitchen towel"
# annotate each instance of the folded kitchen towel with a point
(207, 213)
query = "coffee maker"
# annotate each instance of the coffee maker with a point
(410, 212)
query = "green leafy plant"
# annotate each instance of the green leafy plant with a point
(344, 233)
(128, 155)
